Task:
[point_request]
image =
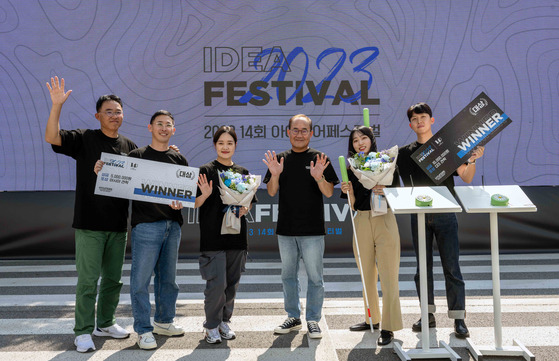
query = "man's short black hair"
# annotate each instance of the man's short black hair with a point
(106, 98)
(419, 108)
(162, 112)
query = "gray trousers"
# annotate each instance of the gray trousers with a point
(222, 272)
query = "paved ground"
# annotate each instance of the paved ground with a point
(36, 313)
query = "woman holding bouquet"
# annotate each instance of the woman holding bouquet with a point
(223, 256)
(379, 245)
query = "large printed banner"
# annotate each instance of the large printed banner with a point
(450, 147)
(253, 64)
(146, 180)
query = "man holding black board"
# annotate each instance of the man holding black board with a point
(442, 226)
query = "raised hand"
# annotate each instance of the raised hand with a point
(205, 187)
(56, 90)
(317, 170)
(272, 163)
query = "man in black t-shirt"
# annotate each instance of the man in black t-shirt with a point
(442, 226)
(302, 175)
(155, 238)
(100, 222)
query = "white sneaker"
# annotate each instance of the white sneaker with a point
(212, 335)
(114, 331)
(84, 343)
(225, 331)
(167, 329)
(146, 341)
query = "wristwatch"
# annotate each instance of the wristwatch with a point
(472, 162)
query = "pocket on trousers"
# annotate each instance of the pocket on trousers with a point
(207, 267)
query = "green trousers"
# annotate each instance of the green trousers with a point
(98, 253)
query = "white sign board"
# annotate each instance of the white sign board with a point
(146, 180)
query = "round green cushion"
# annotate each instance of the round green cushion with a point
(499, 200)
(423, 201)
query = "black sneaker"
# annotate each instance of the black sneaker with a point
(290, 324)
(314, 329)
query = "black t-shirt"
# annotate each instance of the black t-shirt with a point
(144, 212)
(362, 195)
(91, 211)
(407, 166)
(301, 206)
(211, 213)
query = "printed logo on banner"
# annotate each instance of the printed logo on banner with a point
(476, 108)
(424, 154)
(185, 174)
(115, 163)
(290, 76)
(275, 64)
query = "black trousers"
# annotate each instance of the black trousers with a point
(222, 272)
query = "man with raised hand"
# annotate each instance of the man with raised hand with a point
(100, 222)
(302, 176)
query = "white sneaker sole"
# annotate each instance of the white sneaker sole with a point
(81, 350)
(315, 335)
(227, 337)
(212, 342)
(164, 332)
(84, 350)
(146, 347)
(100, 333)
(283, 331)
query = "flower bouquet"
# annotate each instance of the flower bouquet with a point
(237, 190)
(372, 169)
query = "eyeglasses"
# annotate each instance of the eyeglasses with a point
(164, 125)
(110, 113)
(303, 132)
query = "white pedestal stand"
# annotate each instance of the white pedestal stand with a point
(402, 201)
(477, 199)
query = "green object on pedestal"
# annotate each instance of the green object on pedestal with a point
(423, 201)
(499, 200)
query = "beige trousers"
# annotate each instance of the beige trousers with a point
(379, 246)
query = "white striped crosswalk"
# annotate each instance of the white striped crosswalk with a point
(37, 298)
